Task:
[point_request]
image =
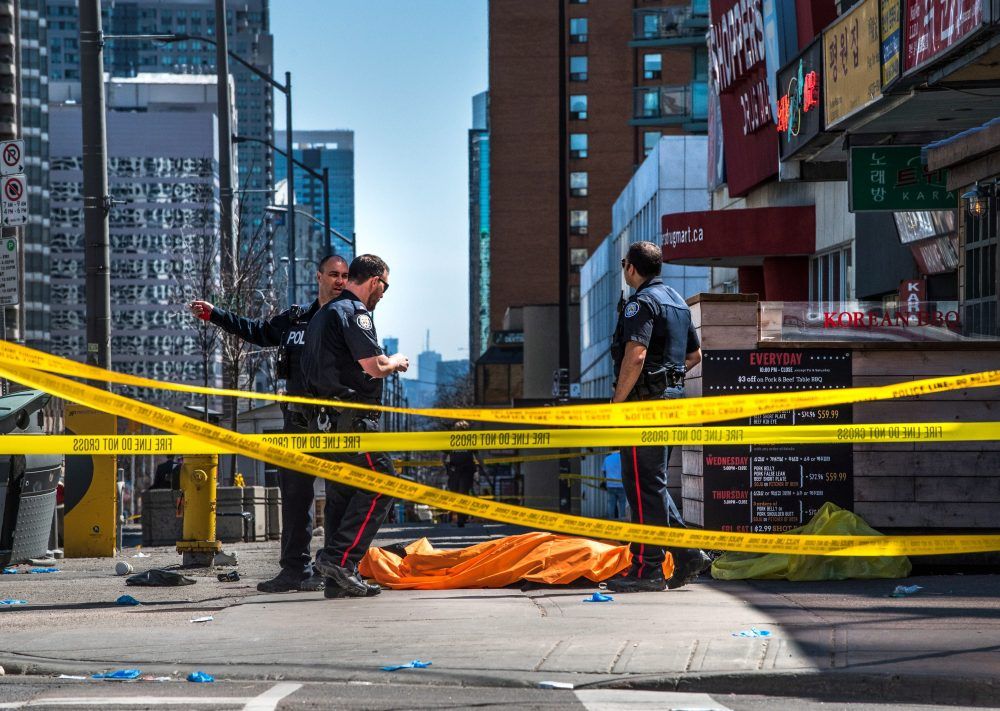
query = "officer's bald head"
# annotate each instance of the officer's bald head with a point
(646, 257)
(329, 260)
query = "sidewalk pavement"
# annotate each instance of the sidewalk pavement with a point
(845, 639)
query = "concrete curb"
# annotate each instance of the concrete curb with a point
(833, 685)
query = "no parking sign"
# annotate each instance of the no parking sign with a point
(11, 157)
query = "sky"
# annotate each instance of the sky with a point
(401, 75)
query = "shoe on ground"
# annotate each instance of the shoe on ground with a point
(289, 582)
(688, 565)
(347, 579)
(633, 583)
(333, 591)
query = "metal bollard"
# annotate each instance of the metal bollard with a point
(199, 479)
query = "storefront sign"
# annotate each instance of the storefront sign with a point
(906, 321)
(912, 293)
(853, 63)
(889, 11)
(932, 26)
(738, 237)
(889, 178)
(736, 45)
(799, 108)
(770, 489)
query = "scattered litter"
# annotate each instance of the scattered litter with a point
(57, 553)
(10, 571)
(118, 675)
(72, 676)
(200, 677)
(156, 678)
(906, 590)
(231, 577)
(207, 618)
(42, 561)
(123, 568)
(140, 554)
(223, 558)
(127, 600)
(2, 672)
(43, 570)
(415, 664)
(159, 578)
(8, 601)
(602, 586)
(752, 632)
(599, 597)
(554, 685)
(318, 532)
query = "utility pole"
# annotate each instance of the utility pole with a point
(290, 182)
(562, 375)
(225, 123)
(96, 200)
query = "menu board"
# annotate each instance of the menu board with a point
(774, 488)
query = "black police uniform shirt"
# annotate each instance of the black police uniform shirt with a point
(656, 317)
(287, 330)
(338, 336)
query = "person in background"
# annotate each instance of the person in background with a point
(611, 470)
(462, 467)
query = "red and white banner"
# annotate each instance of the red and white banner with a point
(933, 26)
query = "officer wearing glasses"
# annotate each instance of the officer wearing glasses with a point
(654, 344)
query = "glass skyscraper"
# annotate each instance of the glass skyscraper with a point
(479, 227)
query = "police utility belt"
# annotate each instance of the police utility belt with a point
(655, 380)
(326, 418)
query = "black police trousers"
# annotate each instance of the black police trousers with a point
(644, 478)
(297, 502)
(461, 480)
(353, 516)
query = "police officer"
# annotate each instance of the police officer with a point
(342, 360)
(287, 332)
(654, 344)
(461, 467)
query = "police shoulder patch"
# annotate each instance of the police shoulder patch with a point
(631, 309)
(364, 321)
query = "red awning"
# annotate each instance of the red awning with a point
(738, 238)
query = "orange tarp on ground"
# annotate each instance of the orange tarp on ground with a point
(539, 557)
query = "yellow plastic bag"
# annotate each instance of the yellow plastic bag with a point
(830, 520)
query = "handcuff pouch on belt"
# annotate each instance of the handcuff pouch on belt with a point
(654, 381)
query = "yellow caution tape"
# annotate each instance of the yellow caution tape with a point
(683, 411)
(923, 432)
(518, 515)
(409, 463)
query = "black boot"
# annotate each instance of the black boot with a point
(349, 580)
(689, 563)
(289, 581)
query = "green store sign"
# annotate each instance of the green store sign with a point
(892, 178)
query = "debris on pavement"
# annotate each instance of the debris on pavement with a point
(906, 590)
(127, 600)
(123, 568)
(2, 672)
(118, 675)
(10, 571)
(207, 618)
(156, 678)
(223, 558)
(200, 677)
(43, 570)
(752, 632)
(232, 576)
(599, 597)
(555, 685)
(72, 676)
(160, 579)
(140, 554)
(9, 601)
(415, 664)
(41, 561)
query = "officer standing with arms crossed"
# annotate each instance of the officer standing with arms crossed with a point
(342, 360)
(287, 331)
(654, 344)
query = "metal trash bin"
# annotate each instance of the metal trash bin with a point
(27, 482)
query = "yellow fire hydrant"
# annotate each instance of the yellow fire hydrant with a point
(199, 479)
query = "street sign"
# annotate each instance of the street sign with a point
(14, 203)
(11, 157)
(9, 275)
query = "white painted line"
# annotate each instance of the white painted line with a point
(627, 700)
(130, 701)
(268, 701)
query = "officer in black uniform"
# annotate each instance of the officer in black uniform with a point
(287, 332)
(654, 344)
(461, 467)
(342, 360)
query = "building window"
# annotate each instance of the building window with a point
(578, 145)
(578, 184)
(649, 141)
(578, 107)
(577, 258)
(578, 30)
(578, 220)
(980, 285)
(577, 2)
(701, 64)
(578, 68)
(652, 66)
(831, 277)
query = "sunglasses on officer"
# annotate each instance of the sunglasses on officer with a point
(385, 285)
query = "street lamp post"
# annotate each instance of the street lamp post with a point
(281, 210)
(228, 250)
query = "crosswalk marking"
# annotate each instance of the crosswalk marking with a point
(629, 700)
(268, 701)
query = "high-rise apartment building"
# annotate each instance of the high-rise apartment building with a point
(479, 227)
(248, 22)
(163, 170)
(573, 111)
(333, 150)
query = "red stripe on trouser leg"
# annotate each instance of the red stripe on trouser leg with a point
(638, 504)
(368, 517)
